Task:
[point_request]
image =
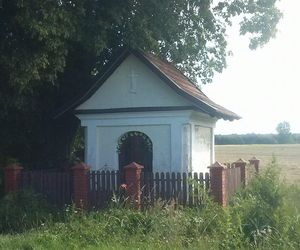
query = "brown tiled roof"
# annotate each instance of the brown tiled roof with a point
(170, 75)
(186, 87)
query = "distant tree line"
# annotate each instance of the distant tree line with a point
(257, 139)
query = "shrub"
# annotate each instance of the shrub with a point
(1, 182)
(262, 208)
(23, 210)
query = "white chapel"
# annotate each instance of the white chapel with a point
(145, 110)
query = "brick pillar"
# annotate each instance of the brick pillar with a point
(254, 161)
(12, 177)
(218, 183)
(240, 163)
(133, 182)
(80, 185)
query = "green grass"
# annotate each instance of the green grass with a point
(287, 155)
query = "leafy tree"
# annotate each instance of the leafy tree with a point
(283, 128)
(296, 138)
(284, 132)
(50, 51)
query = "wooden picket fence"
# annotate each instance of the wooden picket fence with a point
(181, 188)
(103, 185)
(56, 186)
(234, 177)
(184, 189)
(234, 182)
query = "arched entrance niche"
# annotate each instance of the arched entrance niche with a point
(135, 146)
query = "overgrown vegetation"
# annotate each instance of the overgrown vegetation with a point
(265, 215)
(1, 182)
(24, 210)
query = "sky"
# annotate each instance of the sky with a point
(262, 86)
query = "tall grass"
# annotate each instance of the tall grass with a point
(264, 215)
(23, 211)
(269, 211)
(1, 182)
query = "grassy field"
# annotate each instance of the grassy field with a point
(287, 155)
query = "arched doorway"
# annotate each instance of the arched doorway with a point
(135, 146)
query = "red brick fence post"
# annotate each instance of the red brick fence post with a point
(220, 175)
(133, 181)
(12, 178)
(81, 185)
(240, 163)
(254, 161)
(218, 183)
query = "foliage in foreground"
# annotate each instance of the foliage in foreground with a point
(265, 215)
(22, 211)
(268, 211)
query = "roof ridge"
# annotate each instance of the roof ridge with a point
(175, 68)
(164, 60)
(212, 105)
(170, 74)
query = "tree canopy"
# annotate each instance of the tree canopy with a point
(284, 132)
(283, 128)
(51, 50)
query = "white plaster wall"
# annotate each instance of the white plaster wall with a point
(107, 138)
(145, 89)
(202, 148)
(186, 148)
(163, 128)
(182, 140)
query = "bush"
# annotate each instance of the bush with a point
(23, 210)
(266, 212)
(1, 182)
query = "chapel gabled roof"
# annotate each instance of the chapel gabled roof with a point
(187, 88)
(181, 84)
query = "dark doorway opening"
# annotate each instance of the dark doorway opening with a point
(135, 146)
